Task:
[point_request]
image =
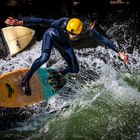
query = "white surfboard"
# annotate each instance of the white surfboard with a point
(17, 38)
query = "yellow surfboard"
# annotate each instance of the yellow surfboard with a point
(17, 38)
(11, 92)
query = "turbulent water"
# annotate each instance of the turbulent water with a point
(104, 97)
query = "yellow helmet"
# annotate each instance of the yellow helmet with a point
(74, 26)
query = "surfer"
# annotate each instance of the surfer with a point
(59, 35)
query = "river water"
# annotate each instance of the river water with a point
(103, 98)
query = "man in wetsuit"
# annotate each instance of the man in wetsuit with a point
(59, 35)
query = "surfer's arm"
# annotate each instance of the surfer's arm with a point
(102, 39)
(35, 21)
(26, 21)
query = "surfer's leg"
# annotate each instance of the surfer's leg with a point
(46, 50)
(69, 56)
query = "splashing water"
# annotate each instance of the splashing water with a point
(104, 99)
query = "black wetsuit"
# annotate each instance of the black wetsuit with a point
(57, 36)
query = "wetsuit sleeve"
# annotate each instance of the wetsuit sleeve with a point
(35, 21)
(102, 39)
(59, 23)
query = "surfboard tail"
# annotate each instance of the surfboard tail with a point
(17, 38)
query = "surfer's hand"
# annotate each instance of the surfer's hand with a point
(13, 22)
(123, 57)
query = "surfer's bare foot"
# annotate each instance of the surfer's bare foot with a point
(26, 88)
